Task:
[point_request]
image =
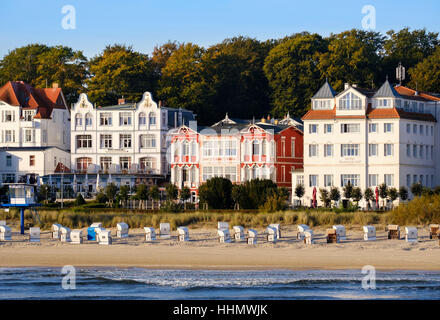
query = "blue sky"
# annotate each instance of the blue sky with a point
(145, 24)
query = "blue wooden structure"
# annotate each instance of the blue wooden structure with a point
(22, 196)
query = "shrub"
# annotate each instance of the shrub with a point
(79, 200)
(101, 197)
(217, 193)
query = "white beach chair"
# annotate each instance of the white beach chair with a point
(76, 236)
(96, 225)
(369, 233)
(308, 237)
(301, 229)
(34, 234)
(277, 228)
(271, 234)
(252, 236)
(183, 233)
(104, 237)
(222, 226)
(56, 231)
(5, 233)
(340, 230)
(122, 230)
(165, 230)
(150, 234)
(411, 234)
(238, 233)
(64, 234)
(224, 236)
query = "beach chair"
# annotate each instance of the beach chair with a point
(183, 234)
(122, 230)
(34, 234)
(411, 234)
(434, 231)
(2, 222)
(222, 226)
(308, 237)
(91, 231)
(277, 228)
(332, 236)
(76, 236)
(369, 233)
(64, 234)
(252, 236)
(340, 230)
(56, 231)
(272, 234)
(150, 234)
(104, 237)
(238, 233)
(300, 232)
(165, 230)
(224, 236)
(5, 233)
(393, 231)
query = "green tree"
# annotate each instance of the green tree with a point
(79, 200)
(236, 193)
(111, 190)
(101, 197)
(383, 192)
(353, 57)
(299, 191)
(348, 190)
(120, 71)
(124, 193)
(142, 192)
(357, 195)
(154, 194)
(185, 194)
(291, 69)
(324, 196)
(403, 193)
(426, 74)
(171, 191)
(161, 54)
(217, 193)
(335, 194)
(255, 193)
(368, 196)
(417, 189)
(393, 194)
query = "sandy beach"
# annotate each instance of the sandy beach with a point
(203, 251)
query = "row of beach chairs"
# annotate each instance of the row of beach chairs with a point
(97, 233)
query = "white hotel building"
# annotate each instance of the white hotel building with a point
(124, 143)
(370, 137)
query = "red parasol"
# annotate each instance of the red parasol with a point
(377, 197)
(314, 197)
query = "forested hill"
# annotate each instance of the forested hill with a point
(242, 76)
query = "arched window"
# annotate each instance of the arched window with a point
(255, 148)
(78, 120)
(152, 117)
(142, 119)
(83, 163)
(185, 148)
(264, 147)
(185, 175)
(89, 119)
(193, 174)
(193, 148)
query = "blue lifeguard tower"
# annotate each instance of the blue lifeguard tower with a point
(22, 196)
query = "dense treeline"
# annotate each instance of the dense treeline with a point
(242, 76)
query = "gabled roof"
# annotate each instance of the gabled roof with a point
(326, 91)
(408, 93)
(61, 168)
(386, 91)
(19, 93)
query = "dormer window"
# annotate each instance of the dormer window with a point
(383, 103)
(350, 102)
(321, 104)
(29, 115)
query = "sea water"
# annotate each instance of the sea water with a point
(139, 283)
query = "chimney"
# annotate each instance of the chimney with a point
(55, 85)
(121, 101)
(346, 85)
(160, 103)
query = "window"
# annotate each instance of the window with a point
(31, 160)
(408, 180)
(9, 116)
(292, 147)
(408, 150)
(373, 180)
(372, 128)
(106, 141)
(372, 150)
(84, 141)
(321, 104)
(231, 173)
(432, 131)
(9, 161)
(300, 180)
(185, 148)
(421, 107)
(152, 117)
(29, 135)
(147, 163)
(328, 150)
(105, 163)
(9, 135)
(414, 128)
(328, 180)
(432, 152)
(415, 178)
(313, 128)
(313, 150)
(148, 141)
(408, 128)
(427, 152)
(142, 119)
(206, 173)
(78, 120)
(8, 178)
(44, 136)
(388, 149)
(230, 148)
(349, 150)
(125, 163)
(389, 179)
(125, 118)
(28, 115)
(421, 130)
(413, 106)
(350, 127)
(328, 128)
(105, 119)
(89, 119)
(83, 163)
(352, 178)
(350, 102)
(255, 148)
(382, 103)
(421, 152)
(125, 140)
(313, 180)
(415, 151)
(387, 127)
